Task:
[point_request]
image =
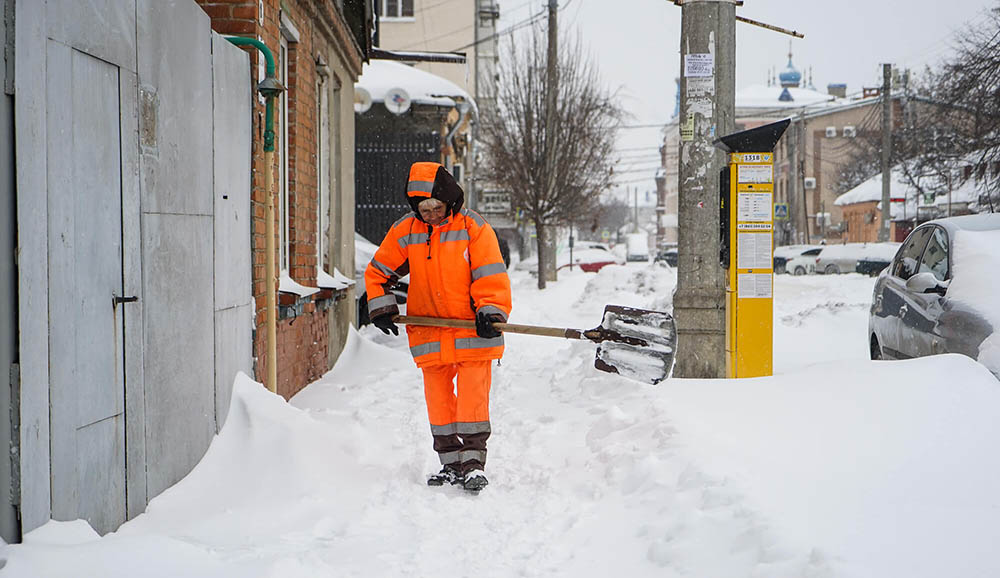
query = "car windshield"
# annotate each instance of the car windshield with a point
(811, 252)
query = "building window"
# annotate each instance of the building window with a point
(283, 161)
(394, 8)
(323, 175)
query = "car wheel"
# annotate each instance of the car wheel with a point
(875, 349)
(831, 270)
(800, 270)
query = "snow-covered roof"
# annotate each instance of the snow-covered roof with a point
(967, 192)
(767, 97)
(380, 76)
(871, 190)
(900, 188)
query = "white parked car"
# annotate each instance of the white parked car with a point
(804, 263)
(834, 259)
(785, 253)
(637, 247)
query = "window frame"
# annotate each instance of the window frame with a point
(323, 158)
(383, 11)
(283, 206)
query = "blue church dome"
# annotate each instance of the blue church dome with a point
(790, 77)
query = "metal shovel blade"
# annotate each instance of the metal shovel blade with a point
(650, 355)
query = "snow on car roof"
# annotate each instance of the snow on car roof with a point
(861, 250)
(985, 222)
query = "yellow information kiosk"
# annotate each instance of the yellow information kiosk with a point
(746, 191)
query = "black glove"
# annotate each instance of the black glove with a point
(384, 322)
(484, 325)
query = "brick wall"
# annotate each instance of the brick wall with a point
(303, 341)
(302, 344)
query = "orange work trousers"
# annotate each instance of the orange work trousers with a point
(459, 411)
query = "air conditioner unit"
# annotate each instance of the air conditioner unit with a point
(831, 131)
(809, 183)
(850, 131)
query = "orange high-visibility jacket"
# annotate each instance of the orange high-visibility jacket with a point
(455, 268)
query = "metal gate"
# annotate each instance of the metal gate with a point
(131, 315)
(381, 167)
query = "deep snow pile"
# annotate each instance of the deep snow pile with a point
(975, 284)
(837, 466)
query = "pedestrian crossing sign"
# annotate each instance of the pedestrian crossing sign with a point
(780, 211)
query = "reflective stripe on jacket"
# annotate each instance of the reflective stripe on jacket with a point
(455, 270)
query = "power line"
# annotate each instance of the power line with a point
(424, 41)
(632, 182)
(507, 30)
(655, 125)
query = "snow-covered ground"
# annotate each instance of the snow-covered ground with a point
(836, 466)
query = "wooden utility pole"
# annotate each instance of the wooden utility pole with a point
(883, 230)
(708, 93)
(547, 270)
(635, 209)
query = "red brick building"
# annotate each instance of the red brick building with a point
(319, 47)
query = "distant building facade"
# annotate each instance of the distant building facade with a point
(467, 27)
(807, 158)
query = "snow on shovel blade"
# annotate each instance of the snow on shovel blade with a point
(646, 353)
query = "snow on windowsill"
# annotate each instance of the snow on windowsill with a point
(287, 285)
(337, 281)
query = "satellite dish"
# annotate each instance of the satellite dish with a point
(397, 100)
(362, 100)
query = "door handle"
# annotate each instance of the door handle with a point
(119, 299)
(903, 309)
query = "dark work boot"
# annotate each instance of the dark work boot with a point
(474, 481)
(448, 475)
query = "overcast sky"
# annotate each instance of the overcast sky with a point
(845, 41)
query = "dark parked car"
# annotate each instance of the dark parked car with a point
(667, 255)
(912, 313)
(871, 266)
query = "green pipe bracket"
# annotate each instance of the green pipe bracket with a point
(269, 88)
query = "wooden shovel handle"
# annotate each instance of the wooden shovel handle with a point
(508, 327)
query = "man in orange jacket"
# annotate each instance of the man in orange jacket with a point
(456, 272)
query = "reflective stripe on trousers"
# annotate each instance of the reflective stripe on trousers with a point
(458, 398)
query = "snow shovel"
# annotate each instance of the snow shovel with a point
(634, 343)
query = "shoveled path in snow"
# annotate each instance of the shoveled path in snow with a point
(835, 467)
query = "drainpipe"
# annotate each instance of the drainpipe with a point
(269, 88)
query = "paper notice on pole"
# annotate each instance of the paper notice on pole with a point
(753, 286)
(754, 174)
(701, 86)
(687, 129)
(699, 64)
(753, 207)
(753, 251)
